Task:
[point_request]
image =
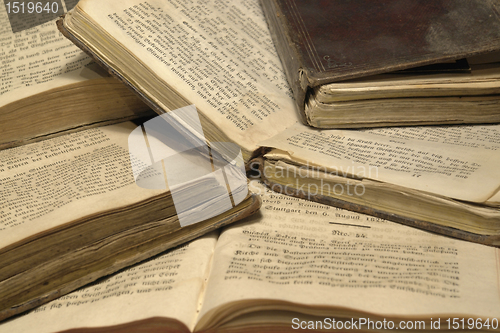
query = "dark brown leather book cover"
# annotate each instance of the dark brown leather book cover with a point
(323, 41)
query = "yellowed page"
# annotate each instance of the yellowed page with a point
(218, 55)
(167, 286)
(310, 254)
(460, 162)
(495, 199)
(49, 183)
(482, 80)
(38, 59)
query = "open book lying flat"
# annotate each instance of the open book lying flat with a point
(324, 43)
(71, 211)
(297, 264)
(221, 59)
(50, 87)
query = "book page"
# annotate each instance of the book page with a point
(217, 54)
(47, 184)
(482, 80)
(309, 254)
(495, 199)
(459, 162)
(38, 59)
(167, 286)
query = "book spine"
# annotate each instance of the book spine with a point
(288, 52)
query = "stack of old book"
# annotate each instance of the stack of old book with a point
(300, 264)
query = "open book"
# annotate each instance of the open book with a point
(323, 42)
(71, 211)
(49, 86)
(219, 56)
(295, 265)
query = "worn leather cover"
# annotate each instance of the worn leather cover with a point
(323, 41)
(493, 240)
